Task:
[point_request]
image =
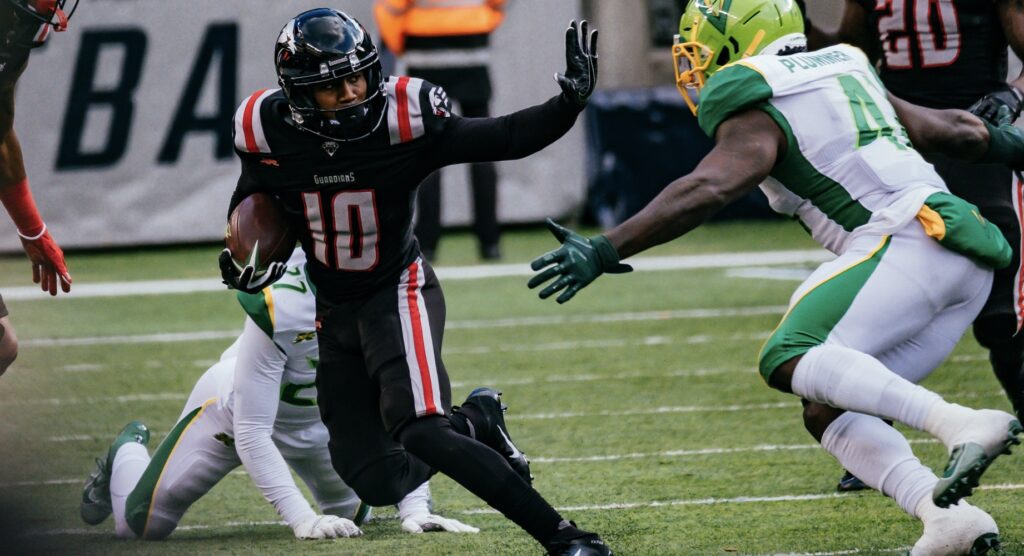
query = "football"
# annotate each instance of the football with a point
(259, 222)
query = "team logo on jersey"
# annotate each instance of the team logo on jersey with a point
(330, 147)
(270, 162)
(334, 179)
(439, 103)
(304, 337)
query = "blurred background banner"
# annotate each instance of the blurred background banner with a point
(125, 120)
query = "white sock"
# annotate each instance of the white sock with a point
(130, 463)
(881, 457)
(848, 379)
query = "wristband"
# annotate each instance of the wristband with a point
(17, 199)
(35, 237)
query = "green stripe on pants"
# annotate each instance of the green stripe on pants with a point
(811, 319)
(141, 498)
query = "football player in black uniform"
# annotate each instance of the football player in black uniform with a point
(24, 25)
(953, 54)
(343, 147)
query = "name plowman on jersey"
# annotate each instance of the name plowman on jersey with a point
(795, 62)
(335, 178)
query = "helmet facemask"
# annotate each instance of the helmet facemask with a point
(690, 62)
(350, 123)
(715, 33)
(321, 46)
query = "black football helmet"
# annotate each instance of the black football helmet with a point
(324, 45)
(33, 21)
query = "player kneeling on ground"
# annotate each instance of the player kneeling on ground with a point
(913, 263)
(255, 407)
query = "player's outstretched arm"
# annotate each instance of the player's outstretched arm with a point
(414, 512)
(257, 392)
(960, 134)
(747, 147)
(47, 258)
(527, 131)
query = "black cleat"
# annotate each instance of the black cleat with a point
(570, 541)
(850, 483)
(486, 404)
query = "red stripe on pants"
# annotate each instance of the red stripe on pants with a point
(417, 338)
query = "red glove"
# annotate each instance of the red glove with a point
(47, 262)
(46, 256)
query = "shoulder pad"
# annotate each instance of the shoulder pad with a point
(732, 89)
(415, 108)
(250, 134)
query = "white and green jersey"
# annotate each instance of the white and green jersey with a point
(286, 313)
(849, 166)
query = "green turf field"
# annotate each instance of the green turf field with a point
(638, 403)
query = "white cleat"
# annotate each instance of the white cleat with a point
(972, 448)
(959, 530)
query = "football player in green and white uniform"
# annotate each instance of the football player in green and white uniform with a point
(256, 407)
(913, 263)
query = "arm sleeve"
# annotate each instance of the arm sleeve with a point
(509, 137)
(257, 391)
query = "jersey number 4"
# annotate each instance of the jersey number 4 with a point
(349, 230)
(933, 24)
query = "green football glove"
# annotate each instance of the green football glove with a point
(578, 262)
(1006, 142)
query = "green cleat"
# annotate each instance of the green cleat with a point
(967, 463)
(96, 504)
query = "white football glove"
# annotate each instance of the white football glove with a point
(326, 527)
(423, 523)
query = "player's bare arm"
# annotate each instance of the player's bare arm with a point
(748, 146)
(954, 133)
(961, 134)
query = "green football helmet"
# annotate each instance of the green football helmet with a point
(714, 33)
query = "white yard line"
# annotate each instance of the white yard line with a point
(614, 506)
(446, 273)
(554, 320)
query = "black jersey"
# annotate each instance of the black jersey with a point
(353, 200)
(939, 53)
